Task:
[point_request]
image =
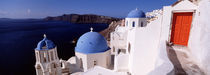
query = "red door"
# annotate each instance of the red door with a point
(181, 28)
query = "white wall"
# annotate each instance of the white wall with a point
(81, 61)
(103, 59)
(121, 62)
(163, 65)
(97, 70)
(199, 42)
(143, 58)
(118, 39)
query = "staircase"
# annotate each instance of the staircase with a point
(181, 58)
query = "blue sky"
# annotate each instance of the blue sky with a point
(43, 8)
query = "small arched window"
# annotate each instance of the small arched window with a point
(133, 24)
(62, 64)
(142, 24)
(119, 51)
(45, 57)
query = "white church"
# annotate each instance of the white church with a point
(140, 47)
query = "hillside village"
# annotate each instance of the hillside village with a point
(173, 40)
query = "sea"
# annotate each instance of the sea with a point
(19, 38)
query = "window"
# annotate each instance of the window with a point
(142, 24)
(61, 64)
(45, 56)
(133, 24)
(119, 51)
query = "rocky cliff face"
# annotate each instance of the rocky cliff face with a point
(87, 18)
(111, 28)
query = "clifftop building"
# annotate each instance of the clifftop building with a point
(47, 61)
(180, 32)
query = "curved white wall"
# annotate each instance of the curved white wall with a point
(145, 53)
(199, 42)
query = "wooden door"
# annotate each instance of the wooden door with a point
(181, 28)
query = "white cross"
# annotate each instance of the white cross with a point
(91, 29)
(136, 8)
(45, 35)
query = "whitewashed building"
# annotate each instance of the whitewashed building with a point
(138, 47)
(92, 50)
(47, 61)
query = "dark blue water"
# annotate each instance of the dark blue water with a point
(18, 38)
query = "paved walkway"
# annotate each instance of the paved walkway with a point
(180, 56)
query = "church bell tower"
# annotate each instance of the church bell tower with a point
(47, 61)
(136, 18)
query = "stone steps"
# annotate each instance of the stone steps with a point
(181, 58)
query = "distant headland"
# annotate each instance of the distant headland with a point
(86, 18)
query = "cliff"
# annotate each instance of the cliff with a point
(87, 18)
(111, 28)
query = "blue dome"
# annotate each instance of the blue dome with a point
(45, 44)
(91, 42)
(136, 14)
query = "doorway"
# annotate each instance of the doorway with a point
(181, 26)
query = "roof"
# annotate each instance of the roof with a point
(91, 42)
(45, 44)
(136, 14)
(177, 2)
